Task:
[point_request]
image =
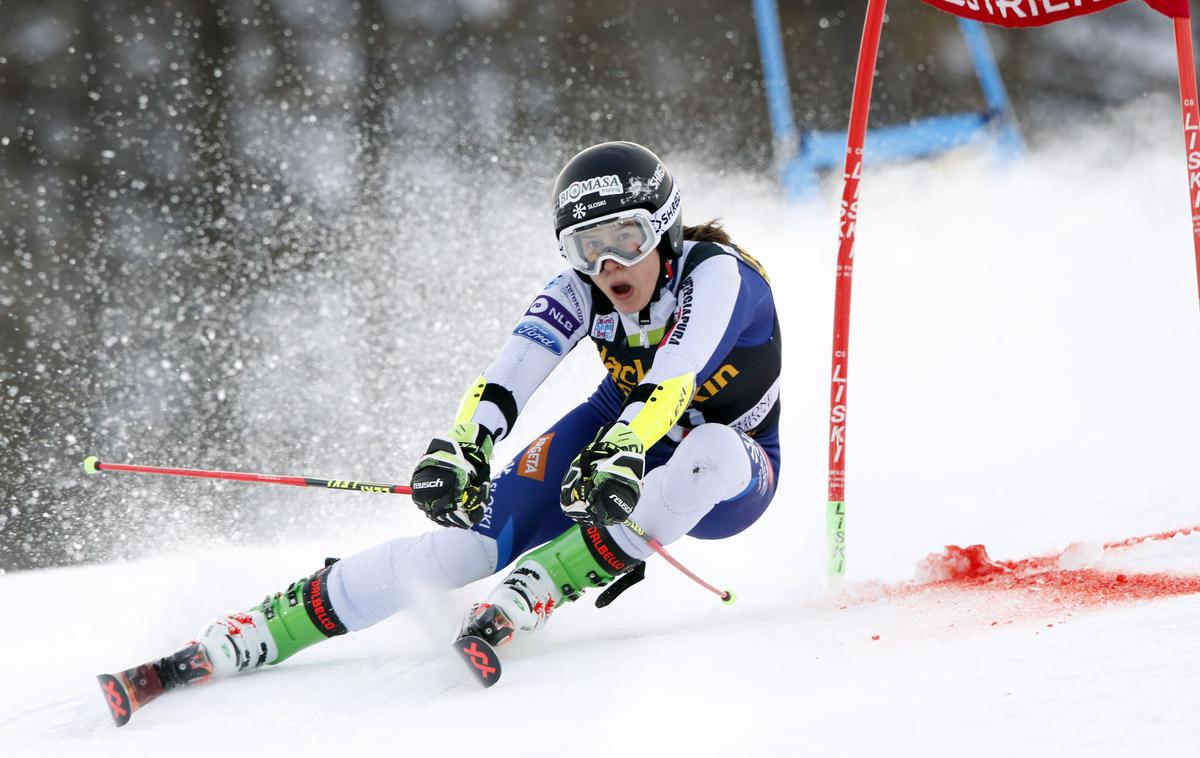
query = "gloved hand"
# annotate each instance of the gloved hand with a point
(604, 482)
(451, 482)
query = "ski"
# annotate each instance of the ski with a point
(131, 689)
(483, 662)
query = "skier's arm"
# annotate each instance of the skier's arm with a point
(712, 313)
(603, 483)
(451, 482)
(551, 326)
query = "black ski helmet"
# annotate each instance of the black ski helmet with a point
(618, 176)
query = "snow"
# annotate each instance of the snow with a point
(1025, 354)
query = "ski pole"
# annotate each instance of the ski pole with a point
(92, 465)
(728, 597)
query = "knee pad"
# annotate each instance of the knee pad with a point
(710, 464)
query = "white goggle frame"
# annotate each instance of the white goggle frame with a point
(652, 227)
(572, 240)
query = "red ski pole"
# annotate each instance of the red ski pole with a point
(91, 465)
(728, 597)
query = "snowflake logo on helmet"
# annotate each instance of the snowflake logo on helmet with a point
(577, 211)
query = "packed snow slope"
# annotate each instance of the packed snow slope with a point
(1024, 374)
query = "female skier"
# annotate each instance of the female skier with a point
(680, 438)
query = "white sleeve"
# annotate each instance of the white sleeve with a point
(707, 300)
(552, 325)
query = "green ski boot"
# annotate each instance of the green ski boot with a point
(557, 572)
(276, 629)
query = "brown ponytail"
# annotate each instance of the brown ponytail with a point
(709, 231)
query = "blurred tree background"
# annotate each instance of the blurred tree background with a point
(229, 231)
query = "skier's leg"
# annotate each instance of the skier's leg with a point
(546, 577)
(716, 483)
(346, 595)
(372, 585)
(369, 586)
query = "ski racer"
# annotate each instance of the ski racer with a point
(680, 438)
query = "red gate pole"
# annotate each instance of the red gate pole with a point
(1191, 125)
(835, 507)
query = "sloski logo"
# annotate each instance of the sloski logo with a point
(605, 185)
(604, 327)
(580, 210)
(553, 313)
(536, 333)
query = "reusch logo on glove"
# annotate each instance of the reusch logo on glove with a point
(617, 501)
(427, 485)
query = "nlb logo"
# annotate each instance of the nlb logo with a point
(555, 314)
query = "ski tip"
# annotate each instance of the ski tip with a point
(117, 698)
(89, 464)
(483, 662)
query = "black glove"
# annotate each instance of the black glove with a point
(604, 482)
(451, 482)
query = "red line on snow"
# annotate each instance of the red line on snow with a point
(1035, 587)
(1152, 538)
(970, 567)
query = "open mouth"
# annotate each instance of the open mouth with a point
(622, 290)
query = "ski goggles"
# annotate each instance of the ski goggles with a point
(625, 237)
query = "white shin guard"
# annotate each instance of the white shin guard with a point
(709, 466)
(367, 587)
